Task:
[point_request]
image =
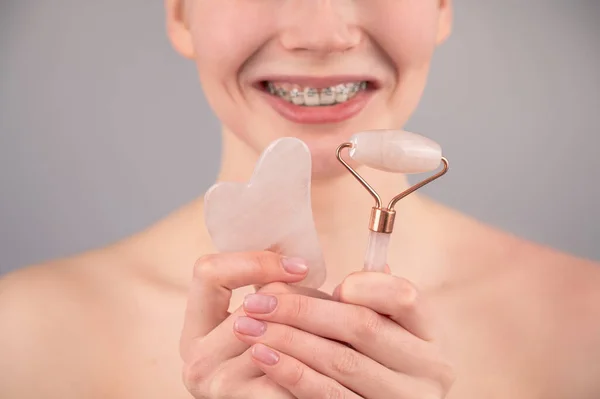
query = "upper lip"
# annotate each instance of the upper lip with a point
(319, 82)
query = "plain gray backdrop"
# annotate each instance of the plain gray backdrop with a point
(104, 129)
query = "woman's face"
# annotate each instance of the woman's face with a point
(319, 70)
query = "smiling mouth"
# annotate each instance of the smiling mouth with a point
(318, 100)
(314, 96)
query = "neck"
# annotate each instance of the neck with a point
(341, 207)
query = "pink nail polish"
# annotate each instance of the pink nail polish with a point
(294, 265)
(265, 355)
(258, 303)
(248, 326)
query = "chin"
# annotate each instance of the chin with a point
(323, 127)
(321, 140)
(271, 116)
(327, 168)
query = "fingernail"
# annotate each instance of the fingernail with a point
(258, 303)
(264, 354)
(248, 326)
(294, 265)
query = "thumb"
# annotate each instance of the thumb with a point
(216, 276)
(336, 292)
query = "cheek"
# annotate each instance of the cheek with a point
(406, 31)
(225, 34)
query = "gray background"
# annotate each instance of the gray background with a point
(103, 129)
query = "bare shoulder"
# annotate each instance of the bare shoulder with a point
(536, 312)
(565, 286)
(62, 286)
(569, 300)
(556, 295)
(528, 315)
(54, 324)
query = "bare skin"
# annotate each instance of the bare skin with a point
(517, 320)
(107, 323)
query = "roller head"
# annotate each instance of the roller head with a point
(395, 151)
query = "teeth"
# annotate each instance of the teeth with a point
(281, 92)
(341, 93)
(327, 96)
(297, 96)
(313, 97)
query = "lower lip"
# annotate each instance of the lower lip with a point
(319, 114)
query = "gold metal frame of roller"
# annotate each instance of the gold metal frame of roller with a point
(382, 219)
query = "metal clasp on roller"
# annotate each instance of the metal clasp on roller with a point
(382, 218)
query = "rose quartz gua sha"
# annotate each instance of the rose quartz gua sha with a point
(270, 212)
(392, 151)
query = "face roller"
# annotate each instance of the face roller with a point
(392, 151)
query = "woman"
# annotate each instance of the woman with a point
(476, 313)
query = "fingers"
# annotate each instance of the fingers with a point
(218, 345)
(239, 377)
(368, 332)
(336, 292)
(221, 343)
(388, 295)
(339, 362)
(265, 388)
(243, 367)
(215, 276)
(302, 381)
(400, 300)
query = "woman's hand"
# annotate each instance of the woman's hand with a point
(216, 364)
(374, 343)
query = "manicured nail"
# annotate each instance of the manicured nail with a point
(264, 354)
(248, 326)
(258, 303)
(294, 265)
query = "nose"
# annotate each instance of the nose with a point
(322, 26)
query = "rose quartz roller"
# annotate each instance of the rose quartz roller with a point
(392, 151)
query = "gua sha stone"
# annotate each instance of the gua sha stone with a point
(270, 212)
